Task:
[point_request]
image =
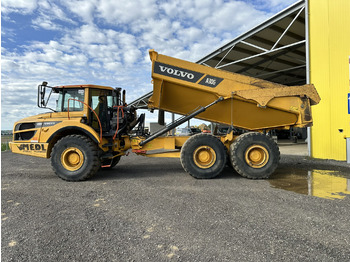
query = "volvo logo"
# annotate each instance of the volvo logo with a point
(186, 75)
(176, 72)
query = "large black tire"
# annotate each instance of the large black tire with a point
(254, 155)
(203, 156)
(110, 163)
(75, 158)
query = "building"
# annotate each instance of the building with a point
(329, 45)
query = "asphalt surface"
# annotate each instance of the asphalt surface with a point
(150, 210)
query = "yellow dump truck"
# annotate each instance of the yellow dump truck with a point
(92, 126)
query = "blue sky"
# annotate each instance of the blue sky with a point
(106, 42)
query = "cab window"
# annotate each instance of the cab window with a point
(98, 95)
(72, 97)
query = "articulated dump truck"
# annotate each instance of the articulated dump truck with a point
(92, 126)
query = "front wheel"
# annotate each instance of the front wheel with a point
(75, 158)
(254, 155)
(203, 156)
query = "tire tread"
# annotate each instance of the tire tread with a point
(187, 146)
(234, 160)
(95, 159)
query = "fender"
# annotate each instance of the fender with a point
(70, 128)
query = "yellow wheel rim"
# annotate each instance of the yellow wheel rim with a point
(72, 158)
(256, 156)
(204, 157)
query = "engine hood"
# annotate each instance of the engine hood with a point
(35, 118)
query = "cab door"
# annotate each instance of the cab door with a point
(101, 103)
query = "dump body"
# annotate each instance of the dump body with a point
(249, 103)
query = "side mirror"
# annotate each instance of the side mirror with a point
(42, 93)
(42, 102)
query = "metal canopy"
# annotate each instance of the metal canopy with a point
(141, 102)
(273, 51)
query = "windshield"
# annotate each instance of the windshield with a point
(70, 96)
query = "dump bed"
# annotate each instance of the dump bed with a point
(180, 87)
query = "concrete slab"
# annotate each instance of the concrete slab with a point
(293, 149)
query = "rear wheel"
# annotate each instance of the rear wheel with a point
(75, 158)
(254, 155)
(203, 156)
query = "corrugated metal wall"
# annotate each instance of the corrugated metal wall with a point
(329, 34)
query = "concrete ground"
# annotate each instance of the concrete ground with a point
(295, 149)
(151, 210)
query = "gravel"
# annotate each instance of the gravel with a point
(149, 209)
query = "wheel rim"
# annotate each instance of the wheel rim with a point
(256, 156)
(204, 157)
(72, 158)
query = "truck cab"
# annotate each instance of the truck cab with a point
(89, 115)
(90, 103)
(87, 107)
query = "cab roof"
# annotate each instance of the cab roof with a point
(86, 86)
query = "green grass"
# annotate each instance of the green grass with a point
(5, 142)
(5, 146)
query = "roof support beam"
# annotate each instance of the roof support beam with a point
(267, 70)
(290, 34)
(286, 30)
(264, 53)
(224, 56)
(255, 46)
(280, 71)
(278, 60)
(142, 101)
(264, 61)
(270, 43)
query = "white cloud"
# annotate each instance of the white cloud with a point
(18, 6)
(126, 12)
(45, 23)
(8, 65)
(49, 15)
(82, 8)
(89, 34)
(282, 3)
(215, 16)
(131, 56)
(272, 5)
(190, 35)
(227, 17)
